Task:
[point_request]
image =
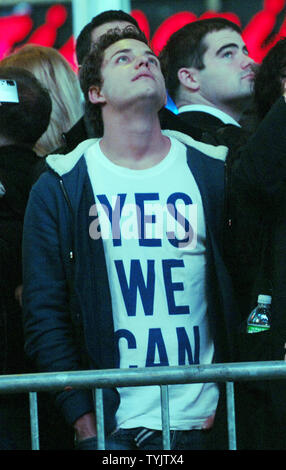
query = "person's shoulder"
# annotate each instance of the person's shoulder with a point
(44, 185)
(172, 121)
(214, 152)
(62, 164)
(73, 137)
(62, 167)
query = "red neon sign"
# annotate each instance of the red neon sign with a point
(16, 28)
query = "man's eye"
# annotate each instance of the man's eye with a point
(122, 59)
(228, 54)
(153, 60)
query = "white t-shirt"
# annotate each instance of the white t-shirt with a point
(155, 256)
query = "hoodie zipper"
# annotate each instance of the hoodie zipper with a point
(71, 252)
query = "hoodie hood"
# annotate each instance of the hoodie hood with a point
(63, 164)
(219, 152)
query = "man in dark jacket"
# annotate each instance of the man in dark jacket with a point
(144, 292)
(209, 76)
(259, 180)
(208, 73)
(24, 116)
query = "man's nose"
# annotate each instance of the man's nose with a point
(246, 61)
(142, 60)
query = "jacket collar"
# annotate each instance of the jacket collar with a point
(63, 164)
(211, 110)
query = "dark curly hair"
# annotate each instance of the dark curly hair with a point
(269, 76)
(83, 42)
(90, 72)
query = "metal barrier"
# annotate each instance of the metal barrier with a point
(161, 376)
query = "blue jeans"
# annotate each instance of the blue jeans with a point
(146, 439)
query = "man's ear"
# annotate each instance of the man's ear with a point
(189, 78)
(95, 95)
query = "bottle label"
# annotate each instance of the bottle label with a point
(257, 328)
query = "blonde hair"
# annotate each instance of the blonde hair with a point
(56, 75)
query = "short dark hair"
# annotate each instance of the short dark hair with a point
(83, 43)
(268, 79)
(186, 48)
(25, 122)
(90, 72)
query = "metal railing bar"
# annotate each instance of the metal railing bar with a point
(230, 402)
(268, 370)
(34, 421)
(165, 417)
(99, 418)
(163, 376)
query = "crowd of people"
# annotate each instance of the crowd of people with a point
(132, 236)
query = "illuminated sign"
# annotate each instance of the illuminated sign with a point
(15, 28)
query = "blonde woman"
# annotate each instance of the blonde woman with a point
(55, 74)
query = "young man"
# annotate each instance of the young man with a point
(208, 73)
(131, 256)
(209, 76)
(99, 25)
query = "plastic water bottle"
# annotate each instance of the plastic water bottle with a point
(260, 317)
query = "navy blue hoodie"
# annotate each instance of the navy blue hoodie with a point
(67, 304)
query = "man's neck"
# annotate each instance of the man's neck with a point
(134, 141)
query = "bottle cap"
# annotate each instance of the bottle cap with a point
(264, 299)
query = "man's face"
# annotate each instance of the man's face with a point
(131, 75)
(228, 75)
(103, 28)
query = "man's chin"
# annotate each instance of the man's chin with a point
(152, 100)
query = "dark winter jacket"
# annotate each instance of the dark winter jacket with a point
(66, 289)
(17, 164)
(259, 177)
(243, 237)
